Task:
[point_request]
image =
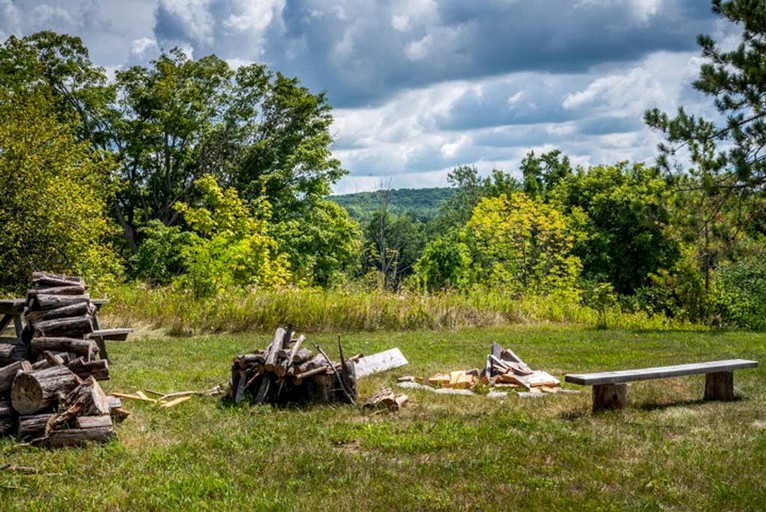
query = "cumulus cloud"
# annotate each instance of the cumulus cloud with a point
(421, 86)
(230, 28)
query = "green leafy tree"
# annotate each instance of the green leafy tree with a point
(58, 66)
(628, 227)
(542, 174)
(55, 192)
(445, 264)
(392, 245)
(524, 246)
(230, 244)
(324, 246)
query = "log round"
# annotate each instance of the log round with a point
(36, 390)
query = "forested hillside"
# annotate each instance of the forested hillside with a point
(421, 203)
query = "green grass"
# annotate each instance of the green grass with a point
(668, 450)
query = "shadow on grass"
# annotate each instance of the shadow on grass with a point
(698, 402)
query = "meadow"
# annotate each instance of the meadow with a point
(668, 450)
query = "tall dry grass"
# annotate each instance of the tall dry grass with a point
(316, 310)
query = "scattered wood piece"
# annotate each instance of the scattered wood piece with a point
(380, 362)
(176, 401)
(385, 397)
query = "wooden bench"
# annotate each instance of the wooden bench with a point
(610, 389)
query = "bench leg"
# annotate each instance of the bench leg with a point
(719, 386)
(101, 344)
(610, 397)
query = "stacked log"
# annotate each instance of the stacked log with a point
(49, 377)
(282, 374)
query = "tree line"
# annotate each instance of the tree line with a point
(191, 174)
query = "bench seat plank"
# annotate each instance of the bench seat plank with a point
(120, 334)
(661, 372)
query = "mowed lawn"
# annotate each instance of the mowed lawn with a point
(668, 450)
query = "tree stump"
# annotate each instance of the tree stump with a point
(610, 397)
(719, 386)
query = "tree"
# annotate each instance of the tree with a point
(445, 264)
(323, 246)
(523, 245)
(393, 243)
(628, 223)
(55, 192)
(541, 175)
(727, 156)
(230, 242)
(58, 66)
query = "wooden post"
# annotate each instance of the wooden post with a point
(610, 397)
(719, 386)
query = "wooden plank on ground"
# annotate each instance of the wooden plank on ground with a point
(380, 362)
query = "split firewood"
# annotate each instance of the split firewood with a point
(385, 397)
(99, 369)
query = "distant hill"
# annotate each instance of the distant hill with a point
(421, 203)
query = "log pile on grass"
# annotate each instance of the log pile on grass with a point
(49, 379)
(287, 371)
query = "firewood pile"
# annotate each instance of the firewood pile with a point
(49, 390)
(287, 372)
(503, 369)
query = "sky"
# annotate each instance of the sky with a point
(419, 87)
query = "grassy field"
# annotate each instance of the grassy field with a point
(668, 450)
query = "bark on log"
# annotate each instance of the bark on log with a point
(33, 427)
(78, 309)
(83, 348)
(610, 397)
(8, 373)
(79, 436)
(47, 279)
(719, 386)
(73, 327)
(285, 365)
(12, 352)
(7, 419)
(36, 390)
(58, 290)
(99, 370)
(46, 302)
